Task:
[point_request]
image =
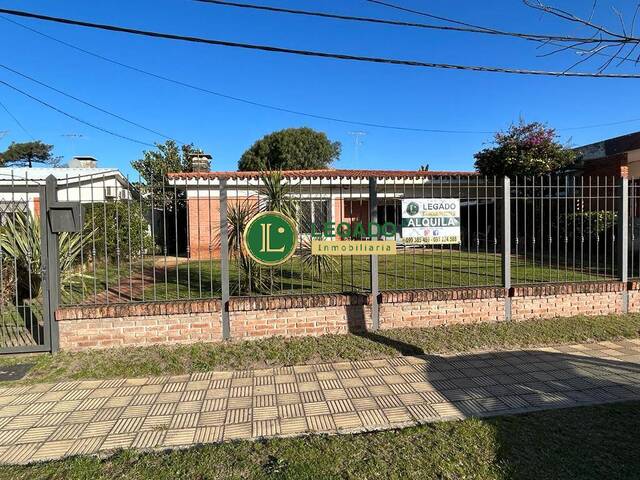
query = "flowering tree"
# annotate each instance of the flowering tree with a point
(524, 149)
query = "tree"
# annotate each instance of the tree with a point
(524, 149)
(291, 149)
(26, 154)
(155, 164)
(167, 158)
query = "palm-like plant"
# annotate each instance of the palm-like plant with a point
(277, 194)
(20, 245)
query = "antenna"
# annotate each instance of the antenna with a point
(3, 133)
(73, 137)
(358, 141)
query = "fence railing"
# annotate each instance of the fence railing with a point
(156, 241)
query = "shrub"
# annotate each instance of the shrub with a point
(116, 230)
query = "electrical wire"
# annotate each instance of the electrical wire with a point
(318, 54)
(15, 119)
(467, 29)
(95, 107)
(73, 117)
(239, 99)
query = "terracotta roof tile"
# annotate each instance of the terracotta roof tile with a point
(328, 173)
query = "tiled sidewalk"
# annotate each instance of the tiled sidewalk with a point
(48, 421)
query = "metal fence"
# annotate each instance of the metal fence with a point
(143, 242)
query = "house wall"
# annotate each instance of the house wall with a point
(185, 322)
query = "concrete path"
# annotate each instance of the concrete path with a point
(48, 421)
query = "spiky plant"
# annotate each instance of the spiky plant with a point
(277, 194)
(20, 244)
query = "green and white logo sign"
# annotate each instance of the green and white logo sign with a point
(270, 238)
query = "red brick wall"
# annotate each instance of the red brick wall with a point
(549, 301)
(260, 317)
(203, 215)
(204, 227)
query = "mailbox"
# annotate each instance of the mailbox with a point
(65, 217)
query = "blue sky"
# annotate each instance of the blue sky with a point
(414, 97)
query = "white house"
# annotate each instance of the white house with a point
(82, 182)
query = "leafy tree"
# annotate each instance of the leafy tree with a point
(26, 154)
(166, 158)
(291, 149)
(524, 149)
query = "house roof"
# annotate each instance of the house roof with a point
(326, 173)
(64, 175)
(610, 146)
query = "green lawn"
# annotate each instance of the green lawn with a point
(410, 269)
(599, 442)
(174, 360)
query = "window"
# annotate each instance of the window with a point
(313, 214)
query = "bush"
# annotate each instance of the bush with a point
(117, 225)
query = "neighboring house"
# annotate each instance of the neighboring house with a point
(617, 157)
(85, 183)
(322, 195)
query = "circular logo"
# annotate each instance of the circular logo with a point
(413, 208)
(270, 238)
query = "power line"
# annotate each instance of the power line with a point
(73, 117)
(95, 107)
(15, 119)
(275, 107)
(240, 99)
(500, 32)
(318, 54)
(467, 29)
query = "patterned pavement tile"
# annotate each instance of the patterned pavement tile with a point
(47, 421)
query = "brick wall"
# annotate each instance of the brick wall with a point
(204, 227)
(83, 328)
(260, 317)
(430, 308)
(565, 300)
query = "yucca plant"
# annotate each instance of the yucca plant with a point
(277, 194)
(278, 198)
(20, 244)
(253, 278)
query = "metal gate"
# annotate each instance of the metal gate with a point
(28, 292)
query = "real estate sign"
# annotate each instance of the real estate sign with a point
(431, 221)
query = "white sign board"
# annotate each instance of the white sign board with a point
(431, 221)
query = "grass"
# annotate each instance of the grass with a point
(410, 269)
(174, 360)
(579, 443)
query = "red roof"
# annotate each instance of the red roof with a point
(327, 173)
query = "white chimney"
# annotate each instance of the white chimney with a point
(83, 162)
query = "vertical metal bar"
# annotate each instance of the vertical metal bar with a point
(224, 260)
(373, 219)
(623, 243)
(506, 244)
(50, 265)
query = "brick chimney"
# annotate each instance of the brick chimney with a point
(201, 162)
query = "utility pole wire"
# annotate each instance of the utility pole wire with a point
(575, 46)
(467, 29)
(319, 54)
(274, 107)
(73, 117)
(239, 99)
(15, 119)
(95, 107)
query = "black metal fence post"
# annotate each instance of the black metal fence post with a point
(373, 219)
(623, 241)
(505, 226)
(50, 264)
(224, 260)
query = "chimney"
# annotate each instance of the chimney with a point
(83, 162)
(201, 162)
